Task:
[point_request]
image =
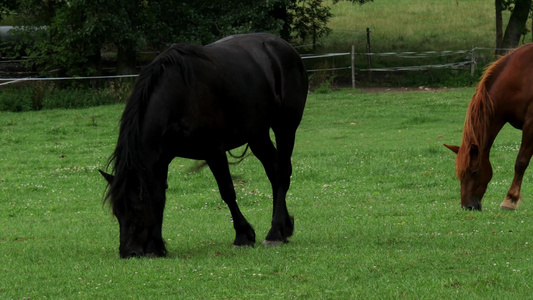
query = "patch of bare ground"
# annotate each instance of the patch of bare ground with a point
(402, 89)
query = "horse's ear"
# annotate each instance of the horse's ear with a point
(455, 149)
(474, 151)
(108, 177)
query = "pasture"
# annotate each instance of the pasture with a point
(414, 25)
(374, 196)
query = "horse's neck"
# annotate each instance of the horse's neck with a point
(490, 135)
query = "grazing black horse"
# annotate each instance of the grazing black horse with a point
(199, 102)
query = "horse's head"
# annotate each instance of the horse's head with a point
(138, 221)
(474, 172)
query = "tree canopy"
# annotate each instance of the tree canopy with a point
(69, 34)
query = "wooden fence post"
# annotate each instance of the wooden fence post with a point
(473, 62)
(368, 53)
(353, 67)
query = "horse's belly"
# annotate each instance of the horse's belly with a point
(204, 145)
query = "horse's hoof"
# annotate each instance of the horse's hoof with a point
(506, 208)
(508, 204)
(268, 243)
(243, 246)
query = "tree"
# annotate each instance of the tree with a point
(6, 7)
(76, 30)
(73, 32)
(67, 35)
(308, 19)
(516, 27)
(499, 7)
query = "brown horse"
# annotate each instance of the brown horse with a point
(504, 95)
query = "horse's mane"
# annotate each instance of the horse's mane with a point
(478, 116)
(127, 160)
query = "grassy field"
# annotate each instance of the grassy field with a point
(414, 25)
(374, 196)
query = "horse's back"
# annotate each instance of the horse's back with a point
(251, 63)
(226, 93)
(510, 85)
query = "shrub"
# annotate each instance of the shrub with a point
(16, 100)
(49, 96)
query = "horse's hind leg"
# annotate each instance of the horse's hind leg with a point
(514, 196)
(244, 233)
(277, 164)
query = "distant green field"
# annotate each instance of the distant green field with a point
(414, 25)
(374, 196)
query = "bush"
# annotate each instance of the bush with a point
(48, 96)
(16, 100)
(76, 98)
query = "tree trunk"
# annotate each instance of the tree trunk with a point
(94, 60)
(126, 60)
(516, 24)
(280, 13)
(126, 46)
(499, 31)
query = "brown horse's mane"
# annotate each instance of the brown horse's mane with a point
(478, 116)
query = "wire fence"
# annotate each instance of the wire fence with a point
(404, 55)
(468, 60)
(15, 80)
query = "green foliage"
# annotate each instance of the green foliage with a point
(206, 21)
(309, 19)
(508, 5)
(16, 100)
(6, 7)
(72, 33)
(77, 98)
(325, 86)
(373, 193)
(436, 78)
(39, 97)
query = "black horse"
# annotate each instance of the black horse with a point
(199, 102)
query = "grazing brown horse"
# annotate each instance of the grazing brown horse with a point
(199, 102)
(504, 95)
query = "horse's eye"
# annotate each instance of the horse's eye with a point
(474, 173)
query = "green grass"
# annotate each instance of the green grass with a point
(414, 25)
(374, 196)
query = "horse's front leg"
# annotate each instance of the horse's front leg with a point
(514, 196)
(244, 232)
(156, 245)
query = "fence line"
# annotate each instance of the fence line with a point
(405, 54)
(418, 68)
(329, 69)
(408, 55)
(13, 80)
(307, 56)
(400, 55)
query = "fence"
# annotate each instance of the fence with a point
(470, 54)
(468, 60)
